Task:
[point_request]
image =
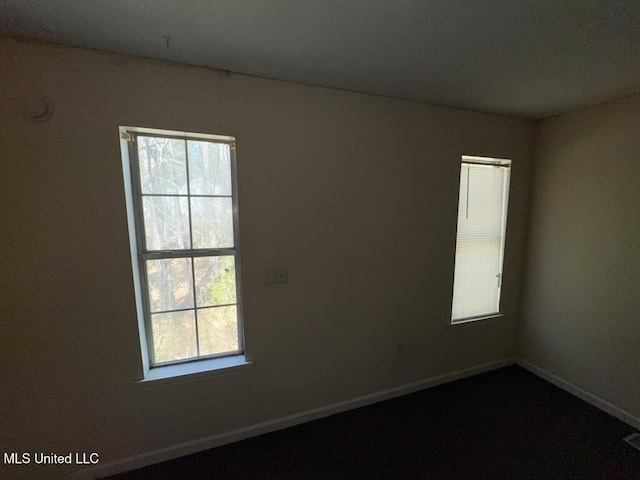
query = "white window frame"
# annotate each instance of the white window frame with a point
(507, 165)
(139, 254)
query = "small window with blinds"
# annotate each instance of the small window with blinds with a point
(482, 222)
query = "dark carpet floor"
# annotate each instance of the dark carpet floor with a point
(505, 424)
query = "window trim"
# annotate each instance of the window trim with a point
(189, 371)
(478, 319)
(499, 163)
(139, 254)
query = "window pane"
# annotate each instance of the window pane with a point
(218, 330)
(174, 335)
(170, 284)
(212, 222)
(475, 289)
(163, 165)
(209, 168)
(215, 280)
(482, 208)
(166, 222)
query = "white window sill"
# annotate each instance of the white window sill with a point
(474, 320)
(184, 372)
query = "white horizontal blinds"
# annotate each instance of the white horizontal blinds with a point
(480, 239)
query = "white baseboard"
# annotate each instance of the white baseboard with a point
(594, 400)
(205, 443)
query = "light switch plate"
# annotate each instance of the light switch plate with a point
(275, 275)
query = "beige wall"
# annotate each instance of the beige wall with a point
(582, 315)
(356, 194)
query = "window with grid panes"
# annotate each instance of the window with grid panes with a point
(183, 193)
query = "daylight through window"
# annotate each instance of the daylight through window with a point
(482, 220)
(184, 202)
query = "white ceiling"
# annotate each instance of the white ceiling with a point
(527, 58)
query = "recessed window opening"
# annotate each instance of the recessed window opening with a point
(480, 239)
(183, 199)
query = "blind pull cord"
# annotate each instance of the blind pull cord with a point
(468, 173)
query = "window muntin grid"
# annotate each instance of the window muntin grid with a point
(186, 225)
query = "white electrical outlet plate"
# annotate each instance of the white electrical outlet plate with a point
(275, 275)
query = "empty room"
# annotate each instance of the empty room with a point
(319, 240)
